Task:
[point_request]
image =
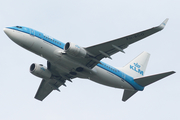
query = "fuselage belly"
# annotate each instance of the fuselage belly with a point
(64, 63)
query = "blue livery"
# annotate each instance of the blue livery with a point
(61, 45)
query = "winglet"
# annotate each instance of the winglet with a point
(163, 24)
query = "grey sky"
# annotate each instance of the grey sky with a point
(89, 22)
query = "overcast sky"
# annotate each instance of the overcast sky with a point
(86, 23)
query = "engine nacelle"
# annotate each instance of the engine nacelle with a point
(40, 71)
(74, 50)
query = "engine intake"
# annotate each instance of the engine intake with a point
(40, 71)
(74, 50)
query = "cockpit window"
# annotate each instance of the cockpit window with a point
(18, 26)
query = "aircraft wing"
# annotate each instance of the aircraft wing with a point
(109, 48)
(46, 87)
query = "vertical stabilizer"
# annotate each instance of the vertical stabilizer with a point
(137, 67)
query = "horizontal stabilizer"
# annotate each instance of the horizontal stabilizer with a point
(127, 94)
(144, 81)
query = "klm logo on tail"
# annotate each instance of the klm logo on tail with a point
(136, 67)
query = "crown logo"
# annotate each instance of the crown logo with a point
(137, 65)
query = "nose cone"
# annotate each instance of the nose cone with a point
(10, 33)
(19, 37)
(6, 30)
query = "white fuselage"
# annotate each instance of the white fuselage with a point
(64, 63)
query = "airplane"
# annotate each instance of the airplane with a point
(68, 61)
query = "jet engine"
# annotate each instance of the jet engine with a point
(75, 50)
(40, 71)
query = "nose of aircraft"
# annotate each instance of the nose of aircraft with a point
(6, 31)
(19, 37)
(9, 33)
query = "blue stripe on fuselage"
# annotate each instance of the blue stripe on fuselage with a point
(39, 35)
(120, 74)
(59, 44)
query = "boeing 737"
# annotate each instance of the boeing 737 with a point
(68, 61)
